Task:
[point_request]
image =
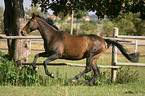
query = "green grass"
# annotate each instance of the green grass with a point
(137, 88)
(108, 90)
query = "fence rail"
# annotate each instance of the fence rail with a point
(70, 64)
(130, 64)
(131, 37)
(20, 37)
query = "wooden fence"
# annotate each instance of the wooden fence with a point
(114, 53)
(130, 37)
(114, 64)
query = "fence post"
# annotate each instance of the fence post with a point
(114, 56)
(136, 44)
(30, 42)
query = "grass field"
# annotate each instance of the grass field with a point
(130, 89)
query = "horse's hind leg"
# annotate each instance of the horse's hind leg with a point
(87, 69)
(44, 54)
(95, 70)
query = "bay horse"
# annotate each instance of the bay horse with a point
(61, 45)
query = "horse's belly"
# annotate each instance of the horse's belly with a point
(72, 56)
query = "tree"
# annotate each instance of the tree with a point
(88, 28)
(105, 28)
(34, 9)
(13, 19)
(72, 19)
(129, 24)
(111, 8)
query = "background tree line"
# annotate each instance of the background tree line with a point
(128, 24)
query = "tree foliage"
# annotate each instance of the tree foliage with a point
(129, 24)
(105, 28)
(111, 8)
(33, 9)
(88, 28)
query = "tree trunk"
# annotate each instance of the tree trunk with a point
(72, 22)
(13, 18)
(77, 26)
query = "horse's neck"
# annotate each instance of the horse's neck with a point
(45, 29)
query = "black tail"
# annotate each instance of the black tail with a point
(134, 57)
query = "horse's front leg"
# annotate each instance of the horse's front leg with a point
(50, 58)
(44, 54)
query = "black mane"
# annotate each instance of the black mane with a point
(49, 21)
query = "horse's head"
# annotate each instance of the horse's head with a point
(30, 26)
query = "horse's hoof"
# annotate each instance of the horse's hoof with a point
(73, 80)
(36, 69)
(51, 75)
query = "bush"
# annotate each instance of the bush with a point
(126, 76)
(10, 74)
(102, 78)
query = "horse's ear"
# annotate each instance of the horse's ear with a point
(33, 15)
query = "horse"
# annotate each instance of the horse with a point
(62, 45)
